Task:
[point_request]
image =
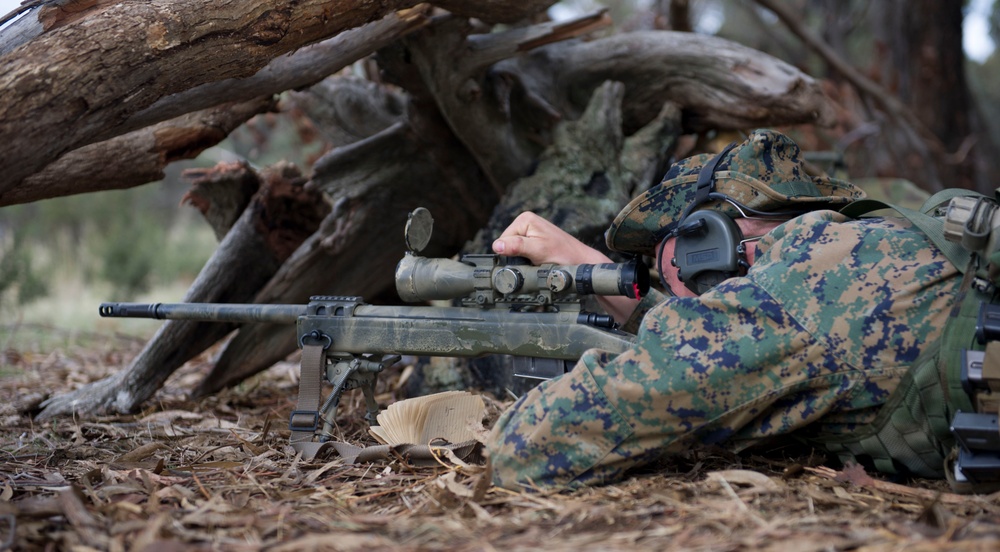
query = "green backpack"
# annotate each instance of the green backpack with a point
(915, 431)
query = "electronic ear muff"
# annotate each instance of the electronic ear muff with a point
(708, 249)
(708, 244)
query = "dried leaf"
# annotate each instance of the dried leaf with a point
(758, 482)
(231, 499)
(141, 452)
(856, 475)
(447, 481)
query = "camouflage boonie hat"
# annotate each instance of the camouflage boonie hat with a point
(764, 173)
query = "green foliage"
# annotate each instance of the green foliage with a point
(122, 242)
(126, 253)
(20, 282)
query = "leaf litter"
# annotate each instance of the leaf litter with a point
(217, 474)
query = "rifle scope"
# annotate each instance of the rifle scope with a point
(479, 276)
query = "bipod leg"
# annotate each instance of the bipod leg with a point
(371, 406)
(340, 374)
(371, 369)
(353, 373)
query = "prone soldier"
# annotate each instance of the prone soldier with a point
(783, 317)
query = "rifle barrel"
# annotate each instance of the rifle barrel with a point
(208, 312)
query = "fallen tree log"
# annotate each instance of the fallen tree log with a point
(717, 83)
(88, 67)
(299, 69)
(137, 157)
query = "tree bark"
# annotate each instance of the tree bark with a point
(718, 84)
(96, 65)
(222, 193)
(299, 69)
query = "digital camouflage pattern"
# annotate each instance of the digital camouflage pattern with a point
(765, 172)
(813, 339)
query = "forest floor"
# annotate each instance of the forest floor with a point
(216, 474)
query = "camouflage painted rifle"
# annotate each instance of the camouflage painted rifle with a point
(507, 307)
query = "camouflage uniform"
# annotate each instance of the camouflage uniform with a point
(818, 333)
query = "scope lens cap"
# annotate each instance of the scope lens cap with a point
(419, 225)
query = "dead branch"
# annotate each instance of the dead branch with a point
(94, 65)
(137, 157)
(717, 83)
(301, 68)
(856, 475)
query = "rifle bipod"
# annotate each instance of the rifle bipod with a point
(350, 372)
(344, 372)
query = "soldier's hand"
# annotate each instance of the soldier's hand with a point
(541, 241)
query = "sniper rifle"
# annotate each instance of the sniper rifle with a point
(506, 306)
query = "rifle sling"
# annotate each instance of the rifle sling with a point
(304, 420)
(416, 455)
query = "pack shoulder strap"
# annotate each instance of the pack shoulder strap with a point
(924, 219)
